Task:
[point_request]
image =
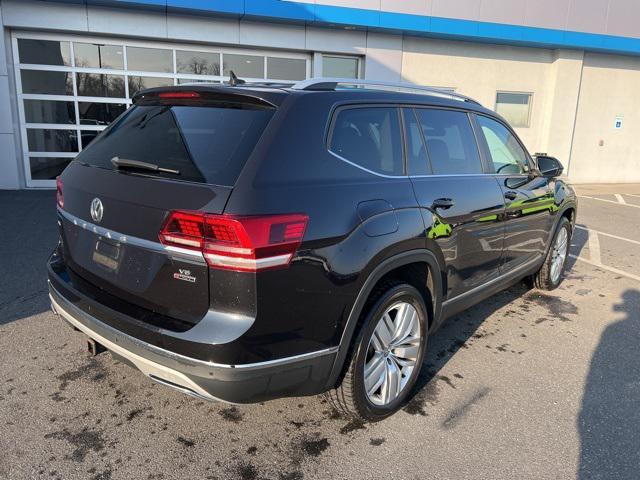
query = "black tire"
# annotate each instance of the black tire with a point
(350, 397)
(543, 280)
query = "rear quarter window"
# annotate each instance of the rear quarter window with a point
(208, 144)
(369, 137)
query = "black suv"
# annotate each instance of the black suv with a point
(247, 242)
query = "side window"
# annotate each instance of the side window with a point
(507, 155)
(451, 144)
(369, 137)
(417, 161)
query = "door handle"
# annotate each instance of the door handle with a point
(443, 203)
(511, 195)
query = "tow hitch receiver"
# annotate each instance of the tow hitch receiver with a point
(94, 348)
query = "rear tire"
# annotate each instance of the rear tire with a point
(551, 273)
(385, 358)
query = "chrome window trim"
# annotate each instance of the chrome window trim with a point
(397, 177)
(382, 175)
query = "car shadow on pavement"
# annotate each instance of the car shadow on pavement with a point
(458, 332)
(579, 239)
(29, 236)
(463, 330)
(609, 420)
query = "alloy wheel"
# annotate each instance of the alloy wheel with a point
(559, 254)
(392, 353)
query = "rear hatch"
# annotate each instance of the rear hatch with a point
(111, 211)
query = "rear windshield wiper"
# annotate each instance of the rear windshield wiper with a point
(137, 164)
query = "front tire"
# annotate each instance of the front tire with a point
(551, 273)
(386, 356)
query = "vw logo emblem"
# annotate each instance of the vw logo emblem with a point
(96, 210)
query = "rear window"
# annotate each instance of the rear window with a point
(208, 144)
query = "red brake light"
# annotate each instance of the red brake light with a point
(179, 95)
(59, 195)
(235, 242)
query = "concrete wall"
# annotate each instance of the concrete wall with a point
(602, 153)
(480, 70)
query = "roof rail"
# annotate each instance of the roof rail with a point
(329, 84)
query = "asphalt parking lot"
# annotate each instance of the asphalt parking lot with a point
(526, 385)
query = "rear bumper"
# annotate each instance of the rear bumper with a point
(304, 374)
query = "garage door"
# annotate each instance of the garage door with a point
(70, 88)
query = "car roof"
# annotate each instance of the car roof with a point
(275, 93)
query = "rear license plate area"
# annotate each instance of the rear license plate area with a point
(107, 255)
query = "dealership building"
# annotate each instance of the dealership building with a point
(565, 73)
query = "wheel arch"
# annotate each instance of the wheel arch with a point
(568, 211)
(386, 267)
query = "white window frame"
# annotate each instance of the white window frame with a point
(124, 43)
(529, 113)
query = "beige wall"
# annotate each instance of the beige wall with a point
(480, 70)
(576, 98)
(610, 87)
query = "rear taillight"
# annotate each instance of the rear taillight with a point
(234, 242)
(59, 195)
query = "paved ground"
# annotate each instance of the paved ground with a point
(525, 386)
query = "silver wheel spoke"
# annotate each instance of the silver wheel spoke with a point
(376, 343)
(410, 352)
(559, 254)
(391, 385)
(384, 330)
(374, 373)
(404, 324)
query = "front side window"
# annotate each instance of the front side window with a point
(370, 138)
(507, 155)
(450, 142)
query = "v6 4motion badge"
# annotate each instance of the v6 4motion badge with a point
(184, 275)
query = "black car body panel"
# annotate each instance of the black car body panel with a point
(471, 234)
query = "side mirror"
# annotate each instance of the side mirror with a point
(549, 167)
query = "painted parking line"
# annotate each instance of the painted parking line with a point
(609, 201)
(620, 199)
(594, 247)
(610, 235)
(594, 252)
(605, 267)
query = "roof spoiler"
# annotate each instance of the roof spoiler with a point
(199, 93)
